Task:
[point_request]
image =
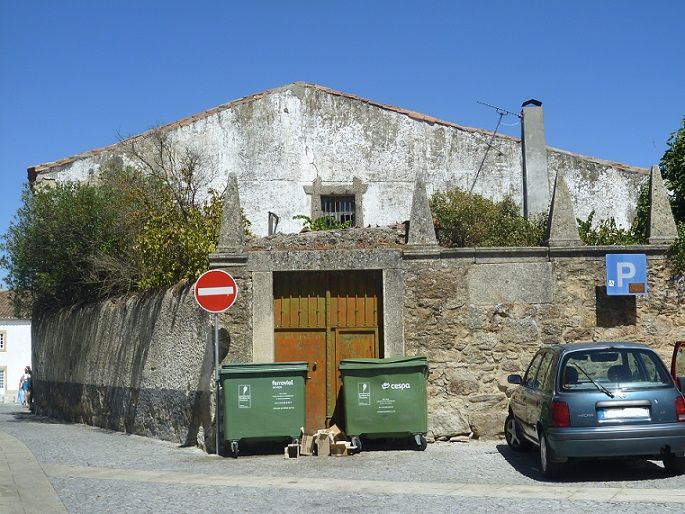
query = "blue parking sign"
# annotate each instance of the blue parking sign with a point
(626, 274)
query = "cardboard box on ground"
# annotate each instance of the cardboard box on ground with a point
(325, 442)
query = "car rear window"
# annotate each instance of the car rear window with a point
(625, 368)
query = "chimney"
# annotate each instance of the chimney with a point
(536, 196)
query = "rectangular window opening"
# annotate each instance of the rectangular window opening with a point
(340, 208)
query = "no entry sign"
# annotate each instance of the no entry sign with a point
(216, 291)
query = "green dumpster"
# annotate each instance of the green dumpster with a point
(385, 398)
(262, 402)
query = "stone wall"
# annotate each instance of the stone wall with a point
(143, 364)
(478, 322)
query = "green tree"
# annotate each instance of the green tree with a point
(174, 244)
(673, 170)
(129, 229)
(53, 243)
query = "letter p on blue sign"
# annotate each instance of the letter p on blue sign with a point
(626, 274)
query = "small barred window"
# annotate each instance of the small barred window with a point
(339, 207)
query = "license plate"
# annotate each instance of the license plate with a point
(623, 413)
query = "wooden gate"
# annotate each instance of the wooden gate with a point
(322, 318)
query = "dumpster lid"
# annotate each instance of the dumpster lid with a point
(390, 362)
(235, 368)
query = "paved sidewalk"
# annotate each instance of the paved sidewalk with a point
(23, 484)
(50, 466)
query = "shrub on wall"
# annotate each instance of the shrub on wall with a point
(463, 219)
(677, 252)
(321, 223)
(607, 232)
(80, 242)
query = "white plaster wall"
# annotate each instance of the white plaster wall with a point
(600, 186)
(282, 141)
(16, 356)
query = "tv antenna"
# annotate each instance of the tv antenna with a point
(502, 113)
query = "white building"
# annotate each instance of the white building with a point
(15, 349)
(304, 149)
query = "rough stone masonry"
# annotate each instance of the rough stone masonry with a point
(142, 364)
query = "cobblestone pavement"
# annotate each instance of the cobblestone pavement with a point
(86, 469)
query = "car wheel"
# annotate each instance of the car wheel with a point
(675, 465)
(512, 433)
(549, 468)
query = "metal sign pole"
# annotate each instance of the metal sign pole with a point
(215, 291)
(216, 379)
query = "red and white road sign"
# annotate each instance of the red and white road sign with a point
(216, 291)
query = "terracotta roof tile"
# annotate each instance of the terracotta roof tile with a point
(6, 307)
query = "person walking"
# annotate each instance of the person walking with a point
(25, 386)
(21, 394)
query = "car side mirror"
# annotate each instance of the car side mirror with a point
(514, 379)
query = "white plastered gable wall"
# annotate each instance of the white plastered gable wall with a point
(279, 142)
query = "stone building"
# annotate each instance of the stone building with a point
(144, 364)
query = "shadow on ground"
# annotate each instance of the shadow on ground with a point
(586, 470)
(248, 447)
(22, 415)
(388, 444)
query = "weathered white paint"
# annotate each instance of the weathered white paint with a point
(280, 141)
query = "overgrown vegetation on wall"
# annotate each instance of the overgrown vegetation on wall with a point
(673, 170)
(462, 219)
(607, 232)
(80, 242)
(321, 223)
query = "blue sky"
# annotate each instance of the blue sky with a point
(75, 75)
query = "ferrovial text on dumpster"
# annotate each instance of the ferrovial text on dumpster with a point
(278, 384)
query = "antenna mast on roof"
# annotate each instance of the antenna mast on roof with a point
(502, 112)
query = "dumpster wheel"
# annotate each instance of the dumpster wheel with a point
(235, 450)
(357, 442)
(421, 442)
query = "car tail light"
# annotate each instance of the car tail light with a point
(680, 408)
(560, 414)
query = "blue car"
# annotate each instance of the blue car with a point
(597, 400)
